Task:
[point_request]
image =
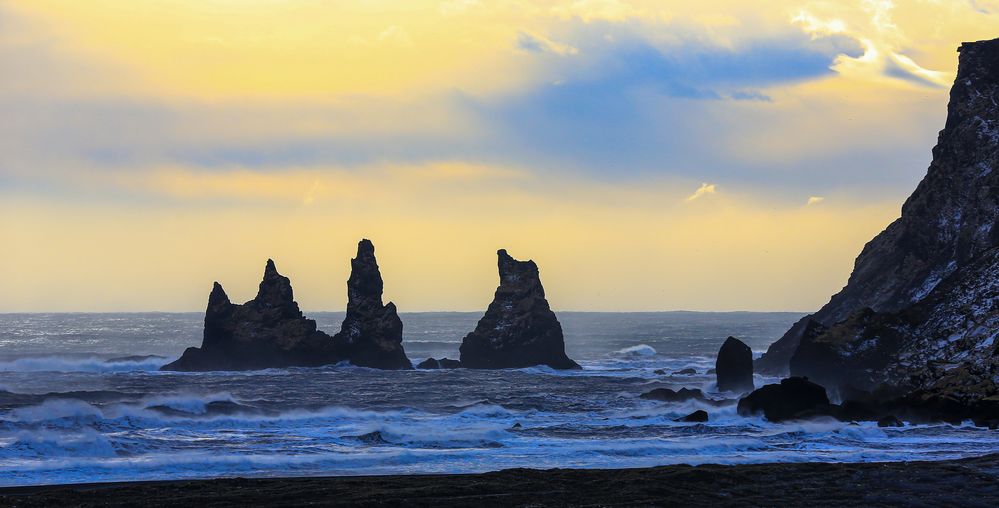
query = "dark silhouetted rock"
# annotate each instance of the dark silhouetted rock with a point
(371, 333)
(734, 366)
(443, 363)
(669, 395)
(686, 372)
(946, 228)
(890, 421)
(794, 397)
(518, 329)
(697, 416)
(266, 332)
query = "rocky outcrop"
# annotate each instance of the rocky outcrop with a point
(793, 398)
(947, 227)
(734, 367)
(518, 329)
(371, 333)
(443, 363)
(670, 395)
(265, 332)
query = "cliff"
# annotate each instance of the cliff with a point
(946, 228)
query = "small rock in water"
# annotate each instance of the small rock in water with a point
(793, 397)
(372, 438)
(890, 421)
(697, 416)
(443, 363)
(687, 372)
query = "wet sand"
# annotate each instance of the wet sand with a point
(966, 482)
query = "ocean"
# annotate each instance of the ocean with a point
(75, 408)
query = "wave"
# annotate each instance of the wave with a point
(639, 350)
(90, 364)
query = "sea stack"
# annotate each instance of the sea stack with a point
(734, 367)
(266, 332)
(919, 315)
(519, 328)
(371, 333)
(946, 227)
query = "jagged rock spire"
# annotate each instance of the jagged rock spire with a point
(275, 289)
(371, 333)
(519, 328)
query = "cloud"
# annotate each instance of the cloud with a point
(814, 200)
(703, 190)
(594, 10)
(536, 44)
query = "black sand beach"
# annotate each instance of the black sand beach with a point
(966, 482)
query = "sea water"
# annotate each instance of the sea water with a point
(72, 409)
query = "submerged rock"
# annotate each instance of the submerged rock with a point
(443, 363)
(686, 372)
(698, 416)
(734, 367)
(794, 397)
(519, 328)
(946, 229)
(371, 333)
(266, 332)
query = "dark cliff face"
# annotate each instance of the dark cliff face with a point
(519, 328)
(371, 333)
(944, 345)
(268, 331)
(945, 225)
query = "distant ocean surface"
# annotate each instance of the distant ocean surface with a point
(67, 414)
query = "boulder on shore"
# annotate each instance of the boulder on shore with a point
(268, 331)
(794, 397)
(734, 367)
(371, 333)
(519, 328)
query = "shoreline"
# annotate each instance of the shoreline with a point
(966, 482)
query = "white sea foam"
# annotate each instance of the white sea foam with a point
(94, 364)
(639, 350)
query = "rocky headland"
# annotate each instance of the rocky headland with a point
(916, 325)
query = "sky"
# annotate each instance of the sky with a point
(649, 155)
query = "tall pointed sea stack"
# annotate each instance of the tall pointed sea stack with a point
(371, 334)
(946, 225)
(268, 331)
(519, 329)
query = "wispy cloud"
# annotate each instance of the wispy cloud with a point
(814, 200)
(703, 190)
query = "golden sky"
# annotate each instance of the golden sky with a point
(649, 155)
